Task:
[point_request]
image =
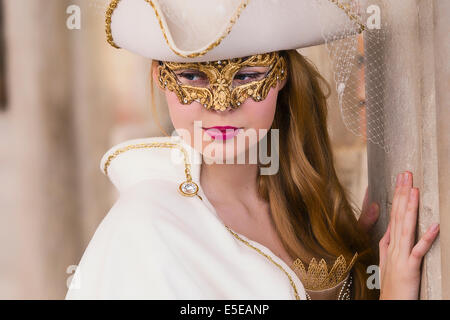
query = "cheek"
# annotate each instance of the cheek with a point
(260, 114)
(251, 115)
(182, 116)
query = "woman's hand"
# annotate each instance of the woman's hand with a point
(400, 259)
(369, 214)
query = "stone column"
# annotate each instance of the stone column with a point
(42, 219)
(3, 98)
(71, 97)
(441, 14)
(415, 84)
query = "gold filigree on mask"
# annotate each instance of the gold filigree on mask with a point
(221, 90)
(317, 276)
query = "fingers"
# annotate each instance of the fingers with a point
(369, 217)
(394, 206)
(410, 221)
(383, 246)
(402, 204)
(369, 214)
(424, 244)
(399, 205)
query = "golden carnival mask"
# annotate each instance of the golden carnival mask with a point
(223, 84)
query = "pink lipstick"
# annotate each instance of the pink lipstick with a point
(222, 132)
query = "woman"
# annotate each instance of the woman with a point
(238, 230)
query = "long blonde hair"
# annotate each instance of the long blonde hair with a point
(309, 207)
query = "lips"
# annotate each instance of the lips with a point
(222, 132)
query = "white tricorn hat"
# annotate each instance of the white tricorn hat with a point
(208, 30)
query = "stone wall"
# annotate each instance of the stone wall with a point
(416, 102)
(71, 97)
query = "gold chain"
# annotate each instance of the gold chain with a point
(297, 297)
(189, 178)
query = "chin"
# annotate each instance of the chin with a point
(220, 152)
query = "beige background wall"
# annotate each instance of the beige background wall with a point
(71, 97)
(416, 102)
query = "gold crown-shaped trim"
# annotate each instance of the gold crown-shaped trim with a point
(318, 278)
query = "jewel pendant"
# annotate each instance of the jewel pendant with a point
(188, 188)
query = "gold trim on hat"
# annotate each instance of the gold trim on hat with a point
(113, 6)
(345, 6)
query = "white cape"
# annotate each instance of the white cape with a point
(155, 243)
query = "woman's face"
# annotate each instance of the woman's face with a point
(216, 145)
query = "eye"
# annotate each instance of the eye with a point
(247, 76)
(192, 78)
(242, 78)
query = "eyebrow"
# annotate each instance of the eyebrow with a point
(188, 69)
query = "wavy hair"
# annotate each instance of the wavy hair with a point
(309, 207)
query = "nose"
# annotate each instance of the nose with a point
(227, 110)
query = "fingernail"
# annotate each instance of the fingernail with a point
(435, 227)
(406, 178)
(402, 178)
(399, 179)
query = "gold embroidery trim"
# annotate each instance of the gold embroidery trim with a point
(317, 276)
(233, 20)
(187, 166)
(113, 5)
(297, 297)
(346, 8)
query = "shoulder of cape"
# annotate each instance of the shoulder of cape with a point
(128, 243)
(135, 160)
